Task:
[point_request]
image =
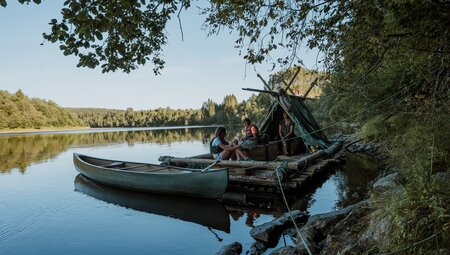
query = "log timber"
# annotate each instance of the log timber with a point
(259, 175)
(266, 165)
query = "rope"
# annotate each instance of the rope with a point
(282, 168)
(165, 160)
(290, 215)
(304, 166)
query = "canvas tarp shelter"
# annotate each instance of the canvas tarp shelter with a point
(305, 126)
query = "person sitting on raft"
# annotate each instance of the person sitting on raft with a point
(286, 132)
(223, 150)
(251, 135)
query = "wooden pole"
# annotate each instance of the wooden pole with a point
(233, 164)
(262, 91)
(309, 159)
(265, 83)
(310, 88)
(292, 79)
(315, 156)
(273, 93)
(285, 83)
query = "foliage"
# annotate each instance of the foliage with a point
(303, 81)
(227, 112)
(19, 111)
(420, 215)
(390, 75)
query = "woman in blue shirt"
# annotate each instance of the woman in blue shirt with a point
(223, 150)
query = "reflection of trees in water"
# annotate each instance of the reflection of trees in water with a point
(21, 151)
(352, 183)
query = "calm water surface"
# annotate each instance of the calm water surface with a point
(47, 208)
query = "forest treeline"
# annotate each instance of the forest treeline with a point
(229, 111)
(19, 111)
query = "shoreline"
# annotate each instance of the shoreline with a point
(43, 130)
(25, 131)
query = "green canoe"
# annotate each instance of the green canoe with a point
(153, 178)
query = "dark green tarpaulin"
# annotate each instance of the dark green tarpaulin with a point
(305, 125)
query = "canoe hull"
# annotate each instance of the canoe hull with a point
(207, 184)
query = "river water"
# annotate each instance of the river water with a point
(46, 207)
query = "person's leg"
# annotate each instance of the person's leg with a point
(280, 147)
(242, 154)
(288, 147)
(226, 155)
(218, 157)
(238, 154)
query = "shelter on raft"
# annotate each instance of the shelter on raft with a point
(310, 150)
(308, 134)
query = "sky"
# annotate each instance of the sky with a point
(197, 68)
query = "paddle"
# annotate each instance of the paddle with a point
(209, 167)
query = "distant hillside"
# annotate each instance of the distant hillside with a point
(19, 111)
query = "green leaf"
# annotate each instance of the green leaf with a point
(37, 1)
(3, 3)
(99, 35)
(64, 27)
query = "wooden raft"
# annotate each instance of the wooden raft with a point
(245, 174)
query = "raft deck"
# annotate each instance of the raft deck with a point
(295, 172)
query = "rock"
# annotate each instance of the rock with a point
(258, 248)
(377, 231)
(320, 226)
(230, 249)
(323, 222)
(288, 250)
(270, 232)
(387, 184)
(308, 236)
(344, 236)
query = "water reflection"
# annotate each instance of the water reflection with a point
(42, 208)
(21, 151)
(206, 212)
(345, 186)
(353, 182)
